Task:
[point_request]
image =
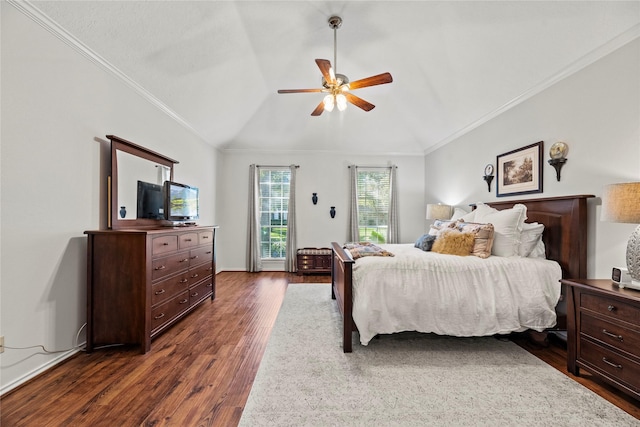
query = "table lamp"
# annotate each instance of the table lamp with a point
(438, 211)
(621, 203)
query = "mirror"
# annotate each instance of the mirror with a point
(131, 163)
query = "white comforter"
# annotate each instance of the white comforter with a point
(452, 295)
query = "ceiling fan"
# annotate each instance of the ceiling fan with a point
(337, 86)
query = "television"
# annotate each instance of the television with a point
(180, 202)
(150, 201)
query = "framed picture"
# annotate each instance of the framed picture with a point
(520, 171)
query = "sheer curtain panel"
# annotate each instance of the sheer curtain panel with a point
(290, 258)
(254, 262)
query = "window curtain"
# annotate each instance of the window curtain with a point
(290, 258)
(254, 262)
(393, 231)
(354, 231)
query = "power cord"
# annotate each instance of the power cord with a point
(75, 347)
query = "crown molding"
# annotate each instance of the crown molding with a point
(39, 17)
(588, 59)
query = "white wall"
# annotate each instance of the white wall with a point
(595, 111)
(57, 106)
(326, 174)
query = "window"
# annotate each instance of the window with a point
(274, 208)
(374, 196)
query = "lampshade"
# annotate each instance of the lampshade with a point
(328, 103)
(438, 211)
(621, 203)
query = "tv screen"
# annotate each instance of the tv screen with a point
(150, 201)
(181, 202)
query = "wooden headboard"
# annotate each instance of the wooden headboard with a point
(565, 233)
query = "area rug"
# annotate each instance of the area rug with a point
(407, 379)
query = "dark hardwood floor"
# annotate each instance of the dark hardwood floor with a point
(199, 373)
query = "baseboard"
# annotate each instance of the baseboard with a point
(6, 388)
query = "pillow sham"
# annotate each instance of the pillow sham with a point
(454, 242)
(530, 235)
(483, 241)
(539, 251)
(458, 213)
(425, 242)
(507, 225)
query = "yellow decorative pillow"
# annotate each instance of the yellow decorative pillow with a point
(454, 242)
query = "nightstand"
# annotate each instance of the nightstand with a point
(603, 332)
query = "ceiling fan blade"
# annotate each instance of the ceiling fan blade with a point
(299, 90)
(359, 102)
(319, 109)
(325, 69)
(379, 79)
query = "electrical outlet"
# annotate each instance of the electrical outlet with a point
(2, 344)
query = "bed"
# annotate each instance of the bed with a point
(359, 286)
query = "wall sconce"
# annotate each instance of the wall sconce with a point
(558, 154)
(332, 211)
(314, 198)
(488, 175)
(438, 211)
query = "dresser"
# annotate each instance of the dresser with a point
(313, 260)
(142, 281)
(603, 332)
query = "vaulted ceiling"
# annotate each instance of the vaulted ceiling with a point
(216, 65)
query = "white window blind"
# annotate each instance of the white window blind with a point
(374, 197)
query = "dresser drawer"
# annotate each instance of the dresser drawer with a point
(200, 272)
(205, 237)
(187, 240)
(613, 364)
(613, 334)
(200, 255)
(168, 288)
(163, 267)
(199, 292)
(610, 307)
(168, 310)
(164, 244)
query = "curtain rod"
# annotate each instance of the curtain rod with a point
(274, 166)
(373, 167)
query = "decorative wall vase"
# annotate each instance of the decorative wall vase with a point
(123, 211)
(332, 211)
(314, 198)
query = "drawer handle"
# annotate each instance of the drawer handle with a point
(194, 275)
(209, 285)
(195, 294)
(184, 280)
(161, 267)
(209, 252)
(184, 301)
(165, 244)
(195, 257)
(611, 307)
(159, 316)
(184, 260)
(205, 237)
(160, 292)
(609, 334)
(615, 365)
(187, 240)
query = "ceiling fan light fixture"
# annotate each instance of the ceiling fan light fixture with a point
(341, 102)
(328, 103)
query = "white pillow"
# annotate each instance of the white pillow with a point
(539, 251)
(529, 237)
(458, 213)
(507, 226)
